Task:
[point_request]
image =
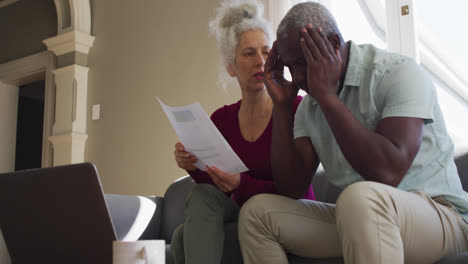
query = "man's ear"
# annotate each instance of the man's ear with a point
(230, 70)
(335, 41)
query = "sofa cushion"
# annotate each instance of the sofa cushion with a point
(458, 259)
(325, 191)
(462, 165)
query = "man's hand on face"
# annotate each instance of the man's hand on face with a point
(323, 63)
(281, 91)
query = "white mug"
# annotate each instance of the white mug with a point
(139, 252)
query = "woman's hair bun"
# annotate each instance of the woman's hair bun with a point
(235, 14)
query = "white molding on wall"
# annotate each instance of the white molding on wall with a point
(60, 15)
(70, 96)
(4, 255)
(49, 111)
(69, 148)
(401, 28)
(30, 69)
(70, 42)
(80, 16)
(69, 130)
(8, 120)
(20, 71)
(71, 99)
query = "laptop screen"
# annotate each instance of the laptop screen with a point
(56, 215)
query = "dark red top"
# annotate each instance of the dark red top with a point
(255, 155)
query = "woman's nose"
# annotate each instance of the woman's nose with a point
(260, 58)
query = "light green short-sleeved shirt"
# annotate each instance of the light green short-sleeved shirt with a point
(377, 85)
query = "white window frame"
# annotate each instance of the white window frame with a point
(417, 42)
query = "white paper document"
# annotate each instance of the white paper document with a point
(201, 138)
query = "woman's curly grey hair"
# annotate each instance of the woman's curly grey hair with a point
(234, 18)
(304, 13)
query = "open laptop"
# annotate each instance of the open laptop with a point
(56, 215)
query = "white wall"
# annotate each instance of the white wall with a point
(8, 116)
(144, 49)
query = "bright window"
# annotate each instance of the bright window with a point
(446, 22)
(441, 24)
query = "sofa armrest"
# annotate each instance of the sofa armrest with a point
(135, 217)
(153, 230)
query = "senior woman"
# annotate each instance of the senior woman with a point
(209, 234)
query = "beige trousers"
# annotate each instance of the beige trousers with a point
(371, 223)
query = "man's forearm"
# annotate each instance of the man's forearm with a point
(373, 156)
(286, 166)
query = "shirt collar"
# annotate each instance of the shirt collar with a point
(354, 70)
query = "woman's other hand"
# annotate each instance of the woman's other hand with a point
(184, 159)
(225, 182)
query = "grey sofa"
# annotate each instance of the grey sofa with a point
(170, 212)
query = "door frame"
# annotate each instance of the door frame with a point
(30, 69)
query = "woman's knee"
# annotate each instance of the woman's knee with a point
(204, 196)
(204, 191)
(178, 235)
(177, 243)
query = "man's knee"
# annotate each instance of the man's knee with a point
(251, 207)
(253, 212)
(359, 199)
(358, 193)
